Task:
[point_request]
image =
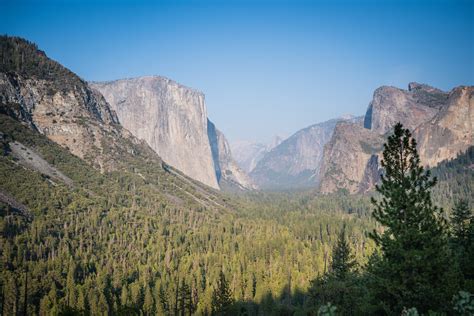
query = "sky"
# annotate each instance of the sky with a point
(266, 67)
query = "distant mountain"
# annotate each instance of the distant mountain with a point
(247, 153)
(172, 119)
(296, 161)
(441, 123)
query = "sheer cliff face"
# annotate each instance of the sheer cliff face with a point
(229, 175)
(449, 132)
(350, 159)
(441, 123)
(171, 118)
(412, 107)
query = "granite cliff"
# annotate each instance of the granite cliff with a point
(450, 131)
(441, 122)
(43, 105)
(350, 159)
(172, 119)
(169, 117)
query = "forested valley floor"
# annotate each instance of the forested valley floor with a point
(131, 243)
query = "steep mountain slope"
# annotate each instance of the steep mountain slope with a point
(54, 102)
(350, 159)
(412, 107)
(296, 161)
(441, 123)
(171, 118)
(228, 173)
(450, 131)
(455, 179)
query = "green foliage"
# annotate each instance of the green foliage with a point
(410, 312)
(341, 285)
(143, 241)
(327, 310)
(464, 303)
(221, 297)
(343, 261)
(461, 218)
(124, 242)
(416, 266)
(19, 56)
(455, 179)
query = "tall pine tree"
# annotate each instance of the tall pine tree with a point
(415, 268)
(343, 261)
(221, 297)
(462, 230)
(340, 286)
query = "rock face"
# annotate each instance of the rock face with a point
(55, 102)
(350, 159)
(413, 107)
(441, 123)
(170, 117)
(295, 163)
(449, 132)
(228, 173)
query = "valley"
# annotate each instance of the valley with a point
(123, 198)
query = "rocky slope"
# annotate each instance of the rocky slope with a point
(229, 175)
(171, 118)
(350, 159)
(412, 107)
(43, 105)
(441, 123)
(58, 104)
(450, 131)
(295, 163)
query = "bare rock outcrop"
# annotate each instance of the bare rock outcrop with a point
(441, 123)
(350, 159)
(57, 103)
(412, 107)
(450, 131)
(169, 117)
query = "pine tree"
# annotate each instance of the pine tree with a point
(462, 228)
(184, 298)
(148, 303)
(164, 302)
(343, 261)
(221, 297)
(460, 221)
(415, 268)
(338, 286)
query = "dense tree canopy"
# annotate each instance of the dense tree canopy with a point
(132, 242)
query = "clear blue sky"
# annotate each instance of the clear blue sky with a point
(267, 67)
